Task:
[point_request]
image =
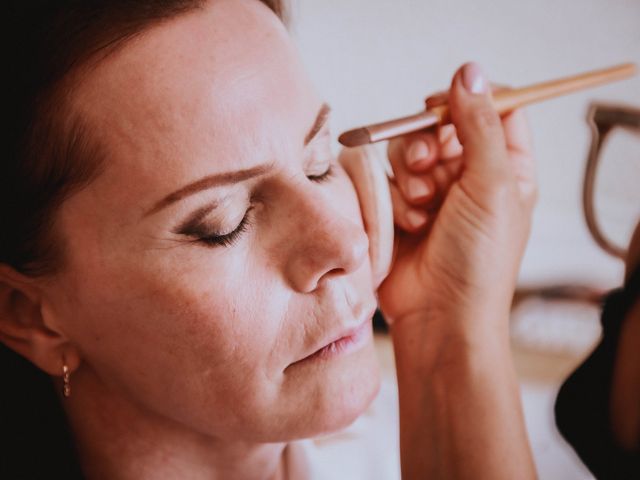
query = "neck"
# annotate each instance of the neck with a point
(115, 439)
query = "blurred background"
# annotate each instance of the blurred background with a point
(378, 59)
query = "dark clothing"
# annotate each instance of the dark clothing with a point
(582, 406)
(35, 442)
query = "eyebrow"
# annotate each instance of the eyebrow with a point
(227, 178)
(320, 121)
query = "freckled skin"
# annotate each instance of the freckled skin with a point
(196, 336)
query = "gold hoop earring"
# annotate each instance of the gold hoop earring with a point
(66, 387)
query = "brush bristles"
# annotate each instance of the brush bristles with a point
(355, 138)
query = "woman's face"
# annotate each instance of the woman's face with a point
(221, 246)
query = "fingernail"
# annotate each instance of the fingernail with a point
(418, 152)
(416, 218)
(417, 188)
(473, 78)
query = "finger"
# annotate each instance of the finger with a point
(478, 124)
(422, 189)
(517, 132)
(449, 144)
(443, 176)
(437, 99)
(405, 216)
(416, 189)
(442, 145)
(517, 137)
(418, 151)
(520, 147)
(421, 151)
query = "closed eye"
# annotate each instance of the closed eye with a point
(227, 239)
(323, 177)
(202, 234)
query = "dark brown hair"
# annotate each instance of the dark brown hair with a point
(49, 154)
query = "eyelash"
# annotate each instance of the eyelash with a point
(324, 176)
(230, 239)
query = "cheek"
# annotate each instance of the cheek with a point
(167, 328)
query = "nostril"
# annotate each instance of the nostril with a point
(331, 243)
(336, 271)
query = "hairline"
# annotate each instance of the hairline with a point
(71, 132)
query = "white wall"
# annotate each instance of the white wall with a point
(376, 59)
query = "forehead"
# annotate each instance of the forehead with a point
(223, 79)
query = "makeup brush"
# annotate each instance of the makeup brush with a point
(504, 101)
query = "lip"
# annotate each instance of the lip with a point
(346, 341)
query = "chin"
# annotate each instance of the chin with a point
(344, 391)
(316, 399)
(353, 404)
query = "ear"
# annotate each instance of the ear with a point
(25, 327)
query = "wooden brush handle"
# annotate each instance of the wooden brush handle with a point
(508, 100)
(503, 100)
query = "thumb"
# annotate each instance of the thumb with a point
(477, 122)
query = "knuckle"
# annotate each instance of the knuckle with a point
(446, 133)
(500, 190)
(503, 190)
(484, 118)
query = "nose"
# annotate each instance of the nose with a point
(326, 242)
